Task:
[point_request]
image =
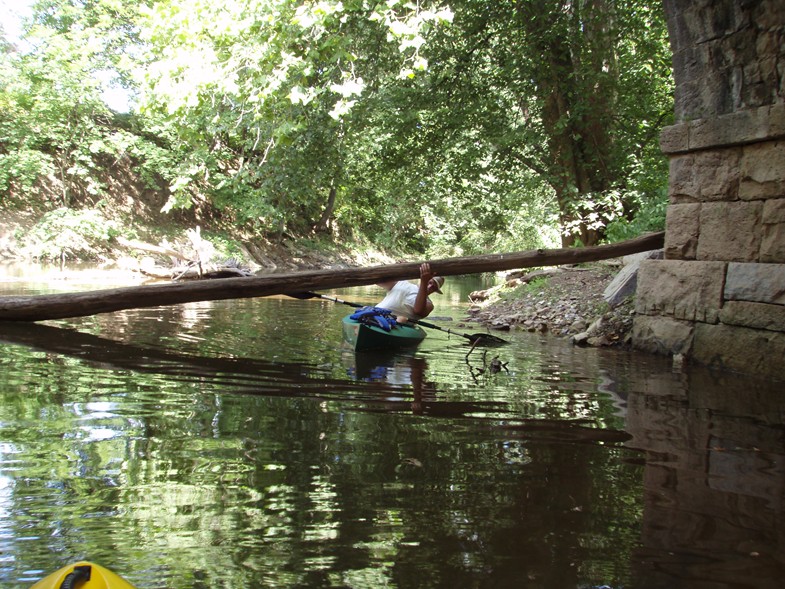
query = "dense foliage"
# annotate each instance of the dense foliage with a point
(417, 125)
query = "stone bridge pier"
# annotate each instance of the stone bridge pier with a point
(718, 296)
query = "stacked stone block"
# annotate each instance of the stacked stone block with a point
(719, 295)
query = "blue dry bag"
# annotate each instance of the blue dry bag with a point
(375, 316)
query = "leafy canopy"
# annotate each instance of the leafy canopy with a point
(474, 127)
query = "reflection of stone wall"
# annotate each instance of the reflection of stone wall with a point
(714, 474)
(719, 295)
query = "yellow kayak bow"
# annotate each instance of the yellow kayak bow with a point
(83, 575)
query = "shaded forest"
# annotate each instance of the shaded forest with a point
(435, 128)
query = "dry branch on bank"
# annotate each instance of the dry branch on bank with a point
(193, 272)
(58, 306)
(185, 267)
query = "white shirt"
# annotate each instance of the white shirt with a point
(401, 298)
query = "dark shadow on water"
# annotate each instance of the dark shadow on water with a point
(714, 480)
(251, 376)
(378, 382)
(393, 370)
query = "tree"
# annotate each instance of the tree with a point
(260, 94)
(56, 132)
(50, 117)
(357, 118)
(573, 91)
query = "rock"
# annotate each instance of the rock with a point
(637, 258)
(662, 335)
(730, 347)
(598, 341)
(682, 223)
(729, 231)
(595, 326)
(562, 305)
(624, 283)
(479, 295)
(772, 249)
(580, 339)
(759, 283)
(755, 315)
(681, 289)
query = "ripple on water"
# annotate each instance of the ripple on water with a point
(238, 444)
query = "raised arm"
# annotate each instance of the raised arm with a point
(422, 304)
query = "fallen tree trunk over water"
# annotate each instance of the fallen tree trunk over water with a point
(80, 304)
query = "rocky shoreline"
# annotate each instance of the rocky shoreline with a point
(565, 302)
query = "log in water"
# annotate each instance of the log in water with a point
(80, 304)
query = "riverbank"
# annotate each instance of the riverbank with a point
(158, 246)
(565, 302)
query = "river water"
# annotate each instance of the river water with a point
(240, 444)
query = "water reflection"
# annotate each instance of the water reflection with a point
(278, 473)
(386, 382)
(237, 444)
(714, 480)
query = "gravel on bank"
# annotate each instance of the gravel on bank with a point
(565, 301)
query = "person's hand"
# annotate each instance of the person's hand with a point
(426, 274)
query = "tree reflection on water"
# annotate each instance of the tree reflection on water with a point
(154, 448)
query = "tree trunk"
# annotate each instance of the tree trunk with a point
(578, 93)
(323, 224)
(58, 306)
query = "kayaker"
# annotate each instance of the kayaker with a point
(411, 301)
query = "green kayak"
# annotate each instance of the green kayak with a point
(364, 337)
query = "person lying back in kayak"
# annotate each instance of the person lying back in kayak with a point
(411, 301)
